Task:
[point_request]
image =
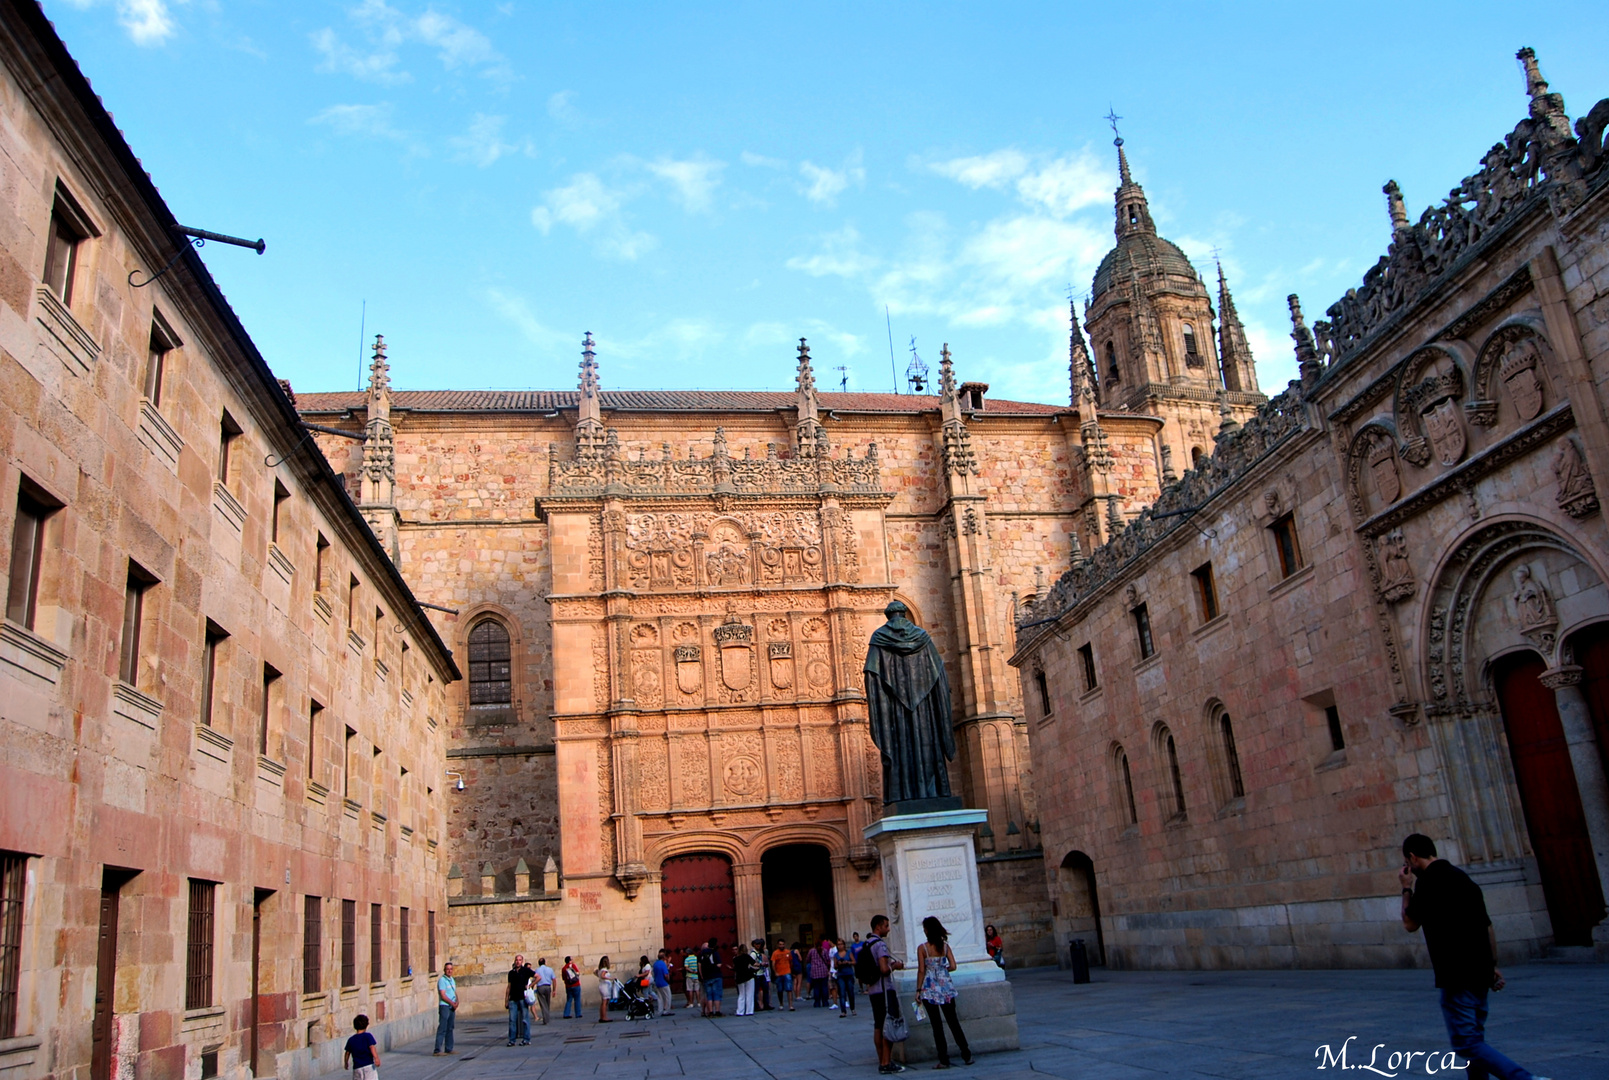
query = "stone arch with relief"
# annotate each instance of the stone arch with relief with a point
(1513, 381)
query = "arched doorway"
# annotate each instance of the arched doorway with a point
(796, 880)
(1550, 798)
(1080, 904)
(697, 903)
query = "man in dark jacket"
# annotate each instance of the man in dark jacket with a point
(1441, 899)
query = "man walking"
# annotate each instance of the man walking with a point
(782, 972)
(544, 989)
(1441, 899)
(572, 987)
(446, 1008)
(519, 977)
(881, 994)
(662, 983)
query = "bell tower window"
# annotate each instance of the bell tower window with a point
(1111, 364)
(1192, 354)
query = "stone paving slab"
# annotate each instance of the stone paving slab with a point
(1553, 1019)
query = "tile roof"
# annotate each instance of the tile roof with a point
(652, 400)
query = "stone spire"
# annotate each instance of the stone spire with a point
(959, 459)
(589, 434)
(1307, 359)
(378, 480)
(1080, 373)
(1234, 352)
(1133, 213)
(946, 375)
(807, 428)
(1396, 208)
(1545, 107)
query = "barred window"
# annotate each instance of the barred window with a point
(198, 953)
(376, 940)
(13, 879)
(406, 961)
(490, 675)
(312, 943)
(430, 939)
(349, 943)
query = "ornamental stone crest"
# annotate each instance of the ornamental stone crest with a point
(1518, 372)
(733, 638)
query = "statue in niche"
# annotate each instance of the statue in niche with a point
(1534, 609)
(1396, 572)
(1576, 493)
(908, 702)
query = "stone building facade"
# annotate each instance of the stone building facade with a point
(664, 599)
(221, 807)
(1377, 607)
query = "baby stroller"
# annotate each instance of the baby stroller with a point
(638, 997)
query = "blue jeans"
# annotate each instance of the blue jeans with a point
(572, 996)
(445, 1015)
(518, 1026)
(846, 991)
(1465, 1014)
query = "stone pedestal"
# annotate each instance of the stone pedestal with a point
(929, 868)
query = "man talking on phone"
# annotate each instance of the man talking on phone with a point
(1448, 905)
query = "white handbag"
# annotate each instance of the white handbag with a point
(530, 996)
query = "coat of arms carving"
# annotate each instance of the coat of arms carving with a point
(1434, 402)
(732, 638)
(689, 669)
(1383, 471)
(1520, 378)
(781, 653)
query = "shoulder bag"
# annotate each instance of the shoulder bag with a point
(895, 1030)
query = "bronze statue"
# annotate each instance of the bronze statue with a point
(908, 699)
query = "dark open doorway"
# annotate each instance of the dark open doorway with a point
(1081, 905)
(797, 882)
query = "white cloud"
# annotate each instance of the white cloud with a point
(589, 206)
(368, 121)
(840, 256)
(518, 312)
(388, 30)
(986, 170)
(148, 22)
(377, 66)
(483, 142)
(760, 161)
(692, 181)
(1061, 186)
(561, 107)
(824, 184)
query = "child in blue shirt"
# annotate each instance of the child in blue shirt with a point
(362, 1054)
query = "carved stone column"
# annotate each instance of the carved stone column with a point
(750, 896)
(1565, 682)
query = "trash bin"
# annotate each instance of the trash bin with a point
(1080, 958)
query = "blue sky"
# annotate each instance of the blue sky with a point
(701, 184)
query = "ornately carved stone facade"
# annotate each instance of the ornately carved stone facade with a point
(1378, 607)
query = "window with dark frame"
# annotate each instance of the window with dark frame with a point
(67, 232)
(198, 946)
(314, 711)
(352, 602)
(404, 960)
(1086, 661)
(1192, 353)
(228, 432)
(490, 664)
(376, 941)
(312, 943)
(281, 496)
(163, 341)
(349, 943)
(27, 555)
(128, 660)
(1237, 785)
(1332, 718)
(1111, 364)
(1286, 543)
(321, 565)
(402, 666)
(1178, 779)
(13, 882)
(346, 764)
(1128, 787)
(209, 1064)
(209, 669)
(1206, 592)
(430, 940)
(1044, 693)
(1142, 629)
(270, 689)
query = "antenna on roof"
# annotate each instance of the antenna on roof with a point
(892, 367)
(916, 372)
(843, 378)
(363, 328)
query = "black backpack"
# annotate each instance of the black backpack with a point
(867, 969)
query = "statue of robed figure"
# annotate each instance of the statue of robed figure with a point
(908, 699)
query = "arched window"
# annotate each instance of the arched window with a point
(1195, 456)
(1173, 770)
(490, 668)
(1237, 786)
(1192, 354)
(1111, 364)
(1128, 785)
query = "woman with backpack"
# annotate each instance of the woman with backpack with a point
(936, 960)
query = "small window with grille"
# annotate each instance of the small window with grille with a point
(199, 944)
(490, 664)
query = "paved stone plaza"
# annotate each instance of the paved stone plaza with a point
(1124, 1024)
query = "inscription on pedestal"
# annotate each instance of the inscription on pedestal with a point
(937, 884)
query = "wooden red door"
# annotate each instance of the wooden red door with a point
(1551, 799)
(698, 903)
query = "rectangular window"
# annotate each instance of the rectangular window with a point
(163, 341)
(27, 556)
(1332, 717)
(209, 1064)
(13, 880)
(198, 951)
(314, 710)
(228, 432)
(406, 961)
(352, 601)
(1206, 592)
(1142, 628)
(128, 662)
(346, 764)
(376, 940)
(281, 496)
(67, 232)
(402, 667)
(1289, 548)
(321, 565)
(1086, 661)
(430, 940)
(1044, 693)
(209, 669)
(349, 943)
(270, 692)
(312, 943)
